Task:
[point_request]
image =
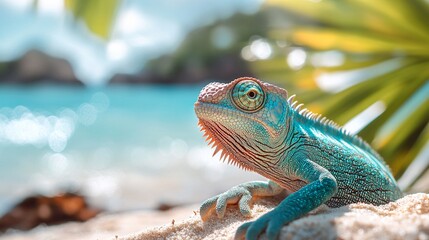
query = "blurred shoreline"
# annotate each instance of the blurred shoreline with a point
(123, 147)
(36, 67)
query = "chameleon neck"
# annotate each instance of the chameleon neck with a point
(309, 121)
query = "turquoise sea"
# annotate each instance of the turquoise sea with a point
(124, 147)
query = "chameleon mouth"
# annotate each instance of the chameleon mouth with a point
(217, 144)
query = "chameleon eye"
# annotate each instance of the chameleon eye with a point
(248, 96)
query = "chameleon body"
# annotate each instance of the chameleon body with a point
(259, 128)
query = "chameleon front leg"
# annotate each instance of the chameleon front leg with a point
(241, 194)
(320, 188)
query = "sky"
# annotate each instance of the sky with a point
(143, 30)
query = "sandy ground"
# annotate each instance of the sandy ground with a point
(104, 226)
(407, 218)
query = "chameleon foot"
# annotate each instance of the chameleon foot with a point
(238, 194)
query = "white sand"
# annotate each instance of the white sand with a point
(104, 226)
(407, 218)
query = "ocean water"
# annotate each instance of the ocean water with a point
(124, 147)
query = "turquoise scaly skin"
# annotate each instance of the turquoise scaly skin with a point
(257, 127)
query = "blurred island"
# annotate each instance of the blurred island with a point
(209, 52)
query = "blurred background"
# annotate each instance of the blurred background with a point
(96, 96)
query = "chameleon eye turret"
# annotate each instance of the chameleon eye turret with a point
(248, 96)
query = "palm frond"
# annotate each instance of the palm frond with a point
(383, 73)
(98, 15)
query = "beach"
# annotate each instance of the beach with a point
(407, 218)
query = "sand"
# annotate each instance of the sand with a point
(407, 218)
(104, 226)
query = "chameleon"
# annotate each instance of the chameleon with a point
(258, 127)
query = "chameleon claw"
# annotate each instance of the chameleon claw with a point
(220, 202)
(273, 229)
(256, 228)
(244, 205)
(221, 206)
(271, 223)
(207, 208)
(240, 234)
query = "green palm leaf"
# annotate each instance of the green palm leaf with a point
(384, 45)
(98, 15)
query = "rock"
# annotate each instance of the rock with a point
(36, 210)
(36, 67)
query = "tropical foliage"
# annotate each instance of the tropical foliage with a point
(97, 14)
(381, 55)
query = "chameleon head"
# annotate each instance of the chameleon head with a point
(242, 116)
